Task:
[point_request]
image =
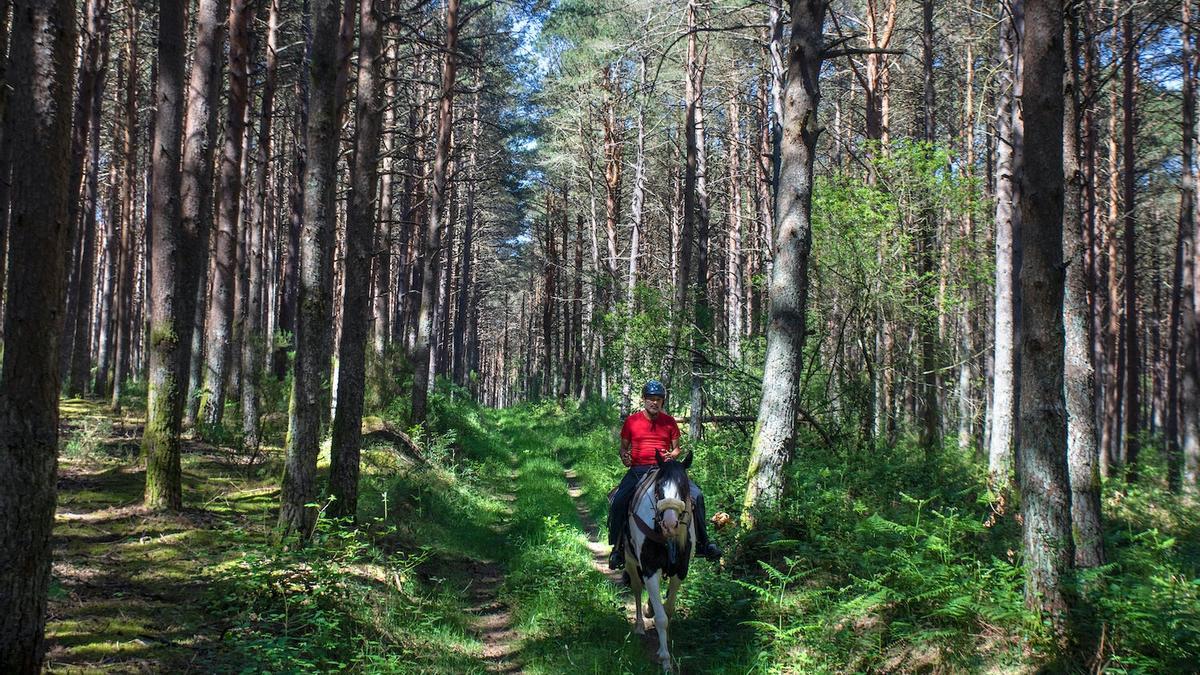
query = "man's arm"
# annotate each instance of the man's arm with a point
(675, 451)
(626, 452)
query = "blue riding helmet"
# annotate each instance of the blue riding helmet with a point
(654, 388)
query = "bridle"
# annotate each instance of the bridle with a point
(662, 504)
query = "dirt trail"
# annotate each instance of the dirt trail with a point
(492, 620)
(599, 548)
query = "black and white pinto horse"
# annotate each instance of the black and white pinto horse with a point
(659, 544)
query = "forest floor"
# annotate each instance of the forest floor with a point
(493, 566)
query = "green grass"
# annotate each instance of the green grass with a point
(876, 562)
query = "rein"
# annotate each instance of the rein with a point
(661, 504)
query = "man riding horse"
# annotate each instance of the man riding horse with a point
(645, 433)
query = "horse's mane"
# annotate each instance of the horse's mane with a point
(675, 473)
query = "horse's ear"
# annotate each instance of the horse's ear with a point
(658, 457)
(687, 462)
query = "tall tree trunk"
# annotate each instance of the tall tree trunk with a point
(1132, 416)
(110, 255)
(1189, 318)
(347, 423)
(5, 149)
(291, 272)
(1182, 271)
(169, 307)
(930, 414)
(735, 263)
(253, 341)
(433, 244)
(577, 296)
(42, 58)
(462, 366)
(90, 74)
(220, 306)
(696, 193)
(775, 432)
(85, 272)
(1042, 460)
(314, 297)
(1004, 358)
(200, 131)
(383, 299)
(1079, 378)
(637, 201)
(128, 259)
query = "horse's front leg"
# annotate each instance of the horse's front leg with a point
(672, 591)
(660, 618)
(635, 585)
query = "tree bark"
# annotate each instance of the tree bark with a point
(1004, 357)
(383, 299)
(314, 296)
(169, 307)
(636, 203)
(85, 272)
(200, 130)
(347, 423)
(462, 366)
(1132, 416)
(254, 342)
(775, 431)
(128, 255)
(433, 244)
(220, 307)
(928, 329)
(1079, 379)
(90, 74)
(109, 259)
(42, 58)
(734, 257)
(1042, 467)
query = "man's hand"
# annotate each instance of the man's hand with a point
(627, 457)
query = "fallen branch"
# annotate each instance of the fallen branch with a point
(377, 429)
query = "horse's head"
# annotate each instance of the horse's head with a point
(671, 495)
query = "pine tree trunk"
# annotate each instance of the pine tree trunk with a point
(128, 254)
(169, 308)
(1042, 460)
(200, 131)
(347, 424)
(1132, 416)
(254, 341)
(1079, 379)
(735, 264)
(1004, 358)
(461, 367)
(95, 18)
(383, 299)
(930, 413)
(314, 293)
(433, 244)
(775, 431)
(637, 200)
(42, 58)
(217, 325)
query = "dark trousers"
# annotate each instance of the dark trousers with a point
(619, 509)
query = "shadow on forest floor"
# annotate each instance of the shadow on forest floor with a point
(128, 584)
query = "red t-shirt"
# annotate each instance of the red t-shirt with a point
(646, 435)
